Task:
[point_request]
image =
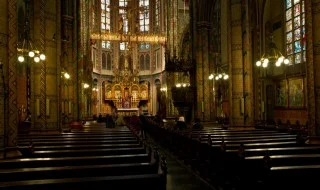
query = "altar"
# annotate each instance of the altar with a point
(128, 111)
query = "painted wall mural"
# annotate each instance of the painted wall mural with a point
(290, 93)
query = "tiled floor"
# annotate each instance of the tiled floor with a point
(181, 178)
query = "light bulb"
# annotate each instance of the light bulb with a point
(36, 59)
(226, 77)
(21, 59)
(42, 57)
(184, 84)
(280, 59)
(278, 64)
(266, 61)
(220, 76)
(258, 63)
(31, 54)
(66, 75)
(286, 61)
(217, 77)
(265, 64)
(178, 85)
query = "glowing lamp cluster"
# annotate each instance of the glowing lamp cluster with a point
(35, 54)
(163, 89)
(219, 76)
(183, 85)
(263, 62)
(273, 56)
(95, 89)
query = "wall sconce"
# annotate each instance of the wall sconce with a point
(85, 85)
(164, 89)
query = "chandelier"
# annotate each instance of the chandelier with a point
(28, 49)
(272, 56)
(219, 75)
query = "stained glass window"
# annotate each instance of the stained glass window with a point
(144, 15)
(106, 44)
(124, 46)
(288, 4)
(105, 15)
(295, 31)
(123, 22)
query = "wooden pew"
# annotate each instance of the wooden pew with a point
(143, 182)
(93, 154)
(87, 146)
(86, 152)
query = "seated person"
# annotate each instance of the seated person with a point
(181, 124)
(109, 121)
(197, 124)
(100, 119)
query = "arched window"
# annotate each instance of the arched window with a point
(108, 61)
(144, 15)
(123, 15)
(295, 31)
(105, 15)
(129, 62)
(106, 44)
(141, 60)
(147, 62)
(121, 63)
(104, 61)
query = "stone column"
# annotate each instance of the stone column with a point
(313, 64)
(11, 128)
(4, 65)
(236, 65)
(247, 65)
(203, 71)
(199, 75)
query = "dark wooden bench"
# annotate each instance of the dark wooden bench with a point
(20, 174)
(73, 161)
(77, 139)
(74, 135)
(277, 150)
(88, 146)
(142, 182)
(71, 142)
(87, 152)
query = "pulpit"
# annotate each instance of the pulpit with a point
(183, 99)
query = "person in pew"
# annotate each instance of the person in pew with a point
(100, 118)
(197, 124)
(181, 124)
(109, 121)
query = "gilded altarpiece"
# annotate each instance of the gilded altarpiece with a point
(126, 96)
